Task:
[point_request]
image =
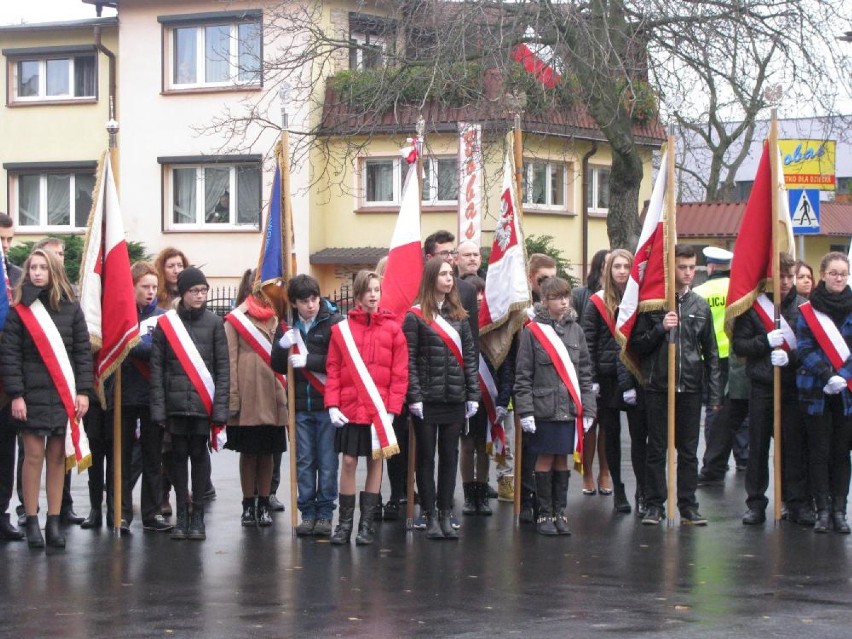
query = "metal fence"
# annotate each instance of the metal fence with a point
(221, 299)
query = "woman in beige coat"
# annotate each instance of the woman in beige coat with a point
(258, 401)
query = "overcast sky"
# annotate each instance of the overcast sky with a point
(17, 11)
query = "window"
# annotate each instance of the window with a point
(210, 196)
(383, 178)
(545, 184)
(597, 189)
(742, 190)
(52, 201)
(52, 74)
(440, 180)
(221, 49)
(369, 37)
(381, 182)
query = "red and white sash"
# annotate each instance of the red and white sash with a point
(317, 380)
(446, 332)
(383, 438)
(255, 338)
(555, 349)
(495, 434)
(765, 310)
(189, 358)
(827, 336)
(598, 300)
(48, 342)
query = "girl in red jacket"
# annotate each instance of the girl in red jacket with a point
(379, 340)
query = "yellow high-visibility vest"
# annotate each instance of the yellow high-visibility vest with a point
(715, 291)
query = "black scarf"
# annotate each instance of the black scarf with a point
(836, 305)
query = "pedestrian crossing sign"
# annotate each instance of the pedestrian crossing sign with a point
(804, 210)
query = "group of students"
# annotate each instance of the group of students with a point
(195, 382)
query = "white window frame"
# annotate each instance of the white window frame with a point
(14, 67)
(594, 181)
(548, 205)
(200, 223)
(363, 40)
(430, 179)
(233, 79)
(43, 226)
(398, 178)
(400, 170)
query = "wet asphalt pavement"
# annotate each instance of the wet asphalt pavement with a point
(613, 577)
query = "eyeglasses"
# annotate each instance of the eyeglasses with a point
(445, 254)
(198, 290)
(838, 274)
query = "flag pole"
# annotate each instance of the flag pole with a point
(776, 302)
(112, 130)
(412, 439)
(518, 156)
(671, 481)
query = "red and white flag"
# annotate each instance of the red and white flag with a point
(405, 258)
(751, 268)
(507, 290)
(106, 286)
(539, 59)
(646, 287)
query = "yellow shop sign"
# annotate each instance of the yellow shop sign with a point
(808, 164)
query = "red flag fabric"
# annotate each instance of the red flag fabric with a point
(106, 286)
(751, 268)
(507, 293)
(539, 59)
(646, 287)
(405, 258)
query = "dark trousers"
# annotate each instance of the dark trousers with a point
(276, 473)
(829, 436)
(398, 464)
(192, 449)
(99, 431)
(727, 422)
(687, 429)
(610, 420)
(444, 438)
(795, 491)
(528, 459)
(7, 458)
(150, 443)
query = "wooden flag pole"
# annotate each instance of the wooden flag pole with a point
(776, 301)
(671, 386)
(518, 156)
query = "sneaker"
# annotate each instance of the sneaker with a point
(691, 517)
(419, 522)
(391, 512)
(707, 480)
(306, 528)
(526, 515)
(322, 527)
(506, 488)
(454, 521)
(157, 524)
(754, 517)
(275, 505)
(210, 493)
(653, 517)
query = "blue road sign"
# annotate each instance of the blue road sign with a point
(804, 210)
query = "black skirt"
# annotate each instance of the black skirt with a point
(551, 438)
(354, 440)
(257, 440)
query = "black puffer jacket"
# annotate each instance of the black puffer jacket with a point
(172, 393)
(307, 397)
(136, 368)
(24, 372)
(697, 358)
(434, 373)
(750, 342)
(603, 349)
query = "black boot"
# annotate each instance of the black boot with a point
(469, 507)
(343, 532)
(197, 531)
(482, 507)
(94, 520)
(181, 522)
(53, 536)
(8, 532)
(366, 532)
(249, 517)
(446, 523)
(34, 538)
(840, 524)
(264, 512)
(544, 495)
(560, 500)
(433, 528)
(823, 520)
(620, 503)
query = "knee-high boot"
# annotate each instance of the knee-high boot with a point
(560, 500)
(366, 532)
(346, 514)
(544, 495)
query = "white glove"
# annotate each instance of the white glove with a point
(297, 360)
(779, 358)
(470, 409)
(287, 339)
(629, 397)
(587, 423)
(596, 389)
(775, 338)
(528, 424)
(337, 418)
(416, 409)
(501, 411)
(835, 384)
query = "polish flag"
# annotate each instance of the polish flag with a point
(538, 59)
(405, 258)
(106, 286)
(507, 292)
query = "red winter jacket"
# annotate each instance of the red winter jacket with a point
(383, 348)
